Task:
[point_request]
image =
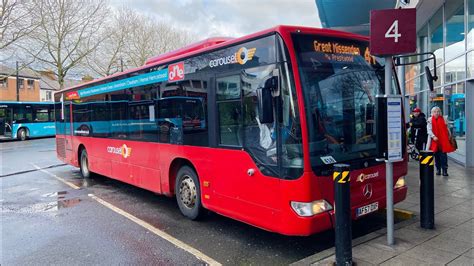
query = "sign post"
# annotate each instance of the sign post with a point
(392, 32)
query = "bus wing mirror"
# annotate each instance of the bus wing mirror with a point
(430, 78)
(265, 100)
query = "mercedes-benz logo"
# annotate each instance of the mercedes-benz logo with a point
(367, 191)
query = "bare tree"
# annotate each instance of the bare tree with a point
(67, 32)
(132, 40)
(108, 57)
(15, 21)
(149, 37)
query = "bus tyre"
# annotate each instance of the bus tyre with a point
(21, 134)
(188, 193)
(84, 164)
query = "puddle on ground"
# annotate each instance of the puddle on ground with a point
(77, 180)
(61, 202)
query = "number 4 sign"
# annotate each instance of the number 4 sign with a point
(392, 31)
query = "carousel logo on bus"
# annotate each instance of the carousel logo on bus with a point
(242, 56)
(124, 151)
(362, 177)
(176, 72)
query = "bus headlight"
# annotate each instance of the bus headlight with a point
(310, 208)
(400, 182)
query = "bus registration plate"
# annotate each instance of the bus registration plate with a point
(367, 209)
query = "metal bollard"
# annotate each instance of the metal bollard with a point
(342, 209)
(427, 189)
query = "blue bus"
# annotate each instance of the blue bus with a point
(23, 120)
(457, 107)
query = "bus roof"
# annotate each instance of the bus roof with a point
(187, 49)
(212, 44)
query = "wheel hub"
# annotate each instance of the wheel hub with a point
(187, 192)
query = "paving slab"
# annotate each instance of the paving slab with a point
(467, 226)
(452, 218)
(461, 261)
(431, 255)
(402, 260)
(447, 202)
(462, 193)
(451, 245)
(434, 232)
(470, 253)
(372, 254)
(401, 245)
(458, 234)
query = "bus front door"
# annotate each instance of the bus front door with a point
(6, 118)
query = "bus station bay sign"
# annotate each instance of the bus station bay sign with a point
(392, 31)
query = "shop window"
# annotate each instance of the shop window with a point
(456, 112)
(455, 44)
(470, 31)
(455, 70)
(470, 64)
(436, 35)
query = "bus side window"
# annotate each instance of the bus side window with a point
(229, 107)
(40, 114)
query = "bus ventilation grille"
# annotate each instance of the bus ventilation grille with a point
(61, 147)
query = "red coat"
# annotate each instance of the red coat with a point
(440, 130)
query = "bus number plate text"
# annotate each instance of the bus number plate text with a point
(367, 209)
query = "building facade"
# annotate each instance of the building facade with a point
(445, 28)
(49, 85)
(29, 85)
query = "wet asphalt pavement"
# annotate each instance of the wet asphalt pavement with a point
(45, 221)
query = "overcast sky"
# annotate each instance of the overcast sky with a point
(229, 18)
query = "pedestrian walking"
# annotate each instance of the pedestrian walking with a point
(418, 129)
(439, 140)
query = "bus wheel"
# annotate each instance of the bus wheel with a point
(21, 134)
(84, 165)
(188, 193)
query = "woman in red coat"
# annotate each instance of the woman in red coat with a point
(438, 140)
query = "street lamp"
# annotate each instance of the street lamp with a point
(17, 82)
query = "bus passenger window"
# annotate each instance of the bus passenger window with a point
(229, 110)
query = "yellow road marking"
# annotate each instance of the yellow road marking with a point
(198, 254)
(57, 177)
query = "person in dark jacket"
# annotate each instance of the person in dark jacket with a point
(418, 131)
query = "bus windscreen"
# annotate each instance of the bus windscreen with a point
(340, 80)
